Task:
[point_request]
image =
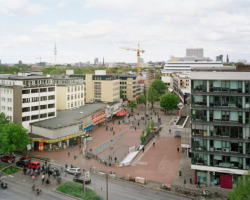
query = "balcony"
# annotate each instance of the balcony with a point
(220, 93)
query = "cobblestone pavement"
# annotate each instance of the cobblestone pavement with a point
(158, 163)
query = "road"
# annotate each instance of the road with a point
(117, 190)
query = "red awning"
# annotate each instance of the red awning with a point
(121, 113)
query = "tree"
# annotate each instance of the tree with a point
(147, 130)
(12, 137)
(132, 104)
(142, 137)
(141, 99)
(153, 96)
(3, 119)
(241, 191)
(169, 101)
(158, 75)
(159, 86)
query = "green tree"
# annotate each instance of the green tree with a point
(141, 99)
(152, 125)
(12, 137)
(169, 101)
(159, 86)
(142, 137)
(3, 120)
(152, 95)
(132, 104)
(158, 75)
(241, 191)
(147, 130)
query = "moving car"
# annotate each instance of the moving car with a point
(80, 179)
(25, 158)
(73, 170)
(22, 163)
(6, 158)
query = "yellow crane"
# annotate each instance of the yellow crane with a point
(138, 58)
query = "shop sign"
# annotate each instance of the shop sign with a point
(98, 117)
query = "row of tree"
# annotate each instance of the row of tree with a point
(12, 136)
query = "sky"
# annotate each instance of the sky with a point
(88, 29)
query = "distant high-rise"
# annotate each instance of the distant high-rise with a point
(20, 62)
(96, 61)
(219, 58)
(194, 52)
(227, 59)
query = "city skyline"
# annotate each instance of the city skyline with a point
(84, 30)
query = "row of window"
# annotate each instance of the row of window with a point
(38, 82)
(34, 117)
(7, 91)
(7, 99)
(220, 161)
(37, 99)
(75, 88)
(41, 107)
(72, 96)
(7, 108)
(220, 86)
(37, 90)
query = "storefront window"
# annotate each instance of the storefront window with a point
(202, 177)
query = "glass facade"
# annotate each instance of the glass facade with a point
(220, 114)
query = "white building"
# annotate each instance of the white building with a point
(27, 99)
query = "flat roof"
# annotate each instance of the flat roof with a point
(69, 117)
(15, 77)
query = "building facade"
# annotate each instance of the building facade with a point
(220, 114)
(130, 88)
(69, 92)
(27, 99)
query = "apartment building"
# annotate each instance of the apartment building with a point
(27, 99)
(180, 84)
(69, 92)
(220, 112)
(100, 87)
(130, 88)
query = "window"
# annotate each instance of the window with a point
(43, 89)
(27, 118)
(68, 97)
(72, 96)
(35, 99)
(26, 109)
(44, 98)
(25, 91)
(51, 97)
(81, 95)
(51, 105)
(68, 89)
(51, 114)
(34, 117)
(26, 100)
(81, 87)
(75, 96)
(43, 115)
(9, 99)
(34, 91)
(42, 107)
(51, 89)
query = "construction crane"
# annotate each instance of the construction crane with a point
(138, 58)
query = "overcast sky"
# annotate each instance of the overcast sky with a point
(87, 29)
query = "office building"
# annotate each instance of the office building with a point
(194, 52)
(69, 92)
(219, 58)
(130, 88)
(27, 99)
(220, 114)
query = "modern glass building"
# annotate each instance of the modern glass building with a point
(220, 116)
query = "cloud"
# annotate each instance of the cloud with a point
(20, 8)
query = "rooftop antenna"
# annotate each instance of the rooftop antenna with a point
(55, 52)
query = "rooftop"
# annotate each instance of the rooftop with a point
(15, 77)
(69, 117)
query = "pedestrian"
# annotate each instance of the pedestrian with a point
(68, 154)
(113, 132)
(184, 178)
(198, 184)
(135, 128)
(80, 147)
(138, 123)
(178, 149)
(33, 178)
(115, 159)
(107, 128)
(190, 179)
(153, 144)
(66, 166)
(143, 149)
(49, 173)
(110, 128)
(43, 178)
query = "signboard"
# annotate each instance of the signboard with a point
(98, 117)
(28, 147)
(139, 180)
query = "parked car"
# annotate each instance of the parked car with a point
(34, 164)
(22, 163)
(25, 158)
(6, 158)
(74, 170)
(80, 179)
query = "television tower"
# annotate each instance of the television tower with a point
(55, 52)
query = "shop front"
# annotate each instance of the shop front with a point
(99, 117)
(54, 144)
